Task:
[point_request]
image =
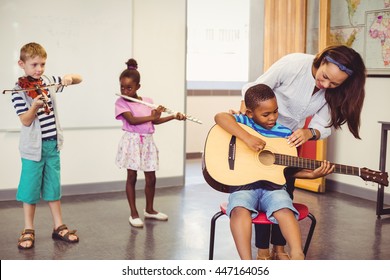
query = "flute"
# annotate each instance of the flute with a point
(154, 106)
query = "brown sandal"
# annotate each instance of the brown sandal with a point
(280, 256)
(56, 234)
(264, 258)
(24, 238)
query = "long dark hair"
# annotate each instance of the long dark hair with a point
(346, 100)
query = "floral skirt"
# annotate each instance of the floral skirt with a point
(137, 152)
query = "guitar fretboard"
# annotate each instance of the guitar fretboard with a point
(312, 164)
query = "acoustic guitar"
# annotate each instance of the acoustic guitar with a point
(229, 164)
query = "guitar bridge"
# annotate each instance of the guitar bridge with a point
(232, 152)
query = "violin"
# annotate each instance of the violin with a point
(35, 88)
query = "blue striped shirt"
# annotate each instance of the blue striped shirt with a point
(277, 130)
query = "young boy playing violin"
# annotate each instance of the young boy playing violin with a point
(40, 141)
(261, 115)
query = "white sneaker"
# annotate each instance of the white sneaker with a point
(159, 216)
(137, 222)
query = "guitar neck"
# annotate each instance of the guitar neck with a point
(312, 164)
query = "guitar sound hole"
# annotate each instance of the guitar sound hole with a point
(266, 157)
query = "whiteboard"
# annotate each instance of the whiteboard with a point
(90, 38)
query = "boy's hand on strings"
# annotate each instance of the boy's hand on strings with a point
(326, 168)
(38, 102)
(254, 143)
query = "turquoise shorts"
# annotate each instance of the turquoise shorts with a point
(41, 179)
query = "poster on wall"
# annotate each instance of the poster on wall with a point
(363, 25)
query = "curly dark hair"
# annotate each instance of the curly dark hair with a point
(256, 94)
(131, 71)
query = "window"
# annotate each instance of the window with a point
(217, 44)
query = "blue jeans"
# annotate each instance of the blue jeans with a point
(261, 200)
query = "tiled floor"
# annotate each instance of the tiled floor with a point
(347, 227)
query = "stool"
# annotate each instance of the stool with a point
(262, 219)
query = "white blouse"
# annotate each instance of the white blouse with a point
(292, 81)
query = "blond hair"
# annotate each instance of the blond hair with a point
(32, 50)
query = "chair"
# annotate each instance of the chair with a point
(262, 219)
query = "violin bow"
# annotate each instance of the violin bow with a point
(154, 106)
(30, 89)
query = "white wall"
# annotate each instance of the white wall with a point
(159, 46)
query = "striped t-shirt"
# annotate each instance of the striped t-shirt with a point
(277, 130)
(47, 121)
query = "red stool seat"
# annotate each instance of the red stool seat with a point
(262, 218)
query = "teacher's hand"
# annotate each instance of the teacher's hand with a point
(299, 137)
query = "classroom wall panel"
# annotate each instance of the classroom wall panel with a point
(159, 46)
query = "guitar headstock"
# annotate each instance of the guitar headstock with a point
(374, 176)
